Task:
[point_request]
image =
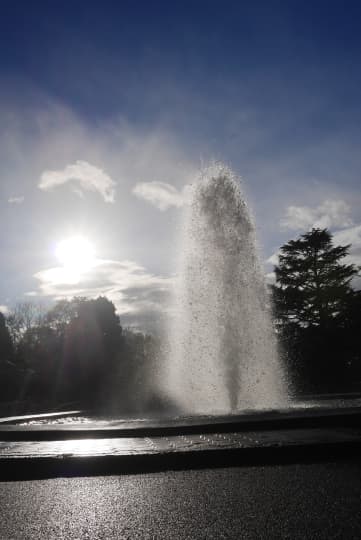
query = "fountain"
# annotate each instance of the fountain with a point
(224, 355)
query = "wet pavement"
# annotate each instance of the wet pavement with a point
(314, 500)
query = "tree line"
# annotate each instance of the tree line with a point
(75, 353)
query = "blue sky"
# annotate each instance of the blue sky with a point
(147, 92)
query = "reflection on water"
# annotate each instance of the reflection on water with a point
(94, 447)
(76, 448)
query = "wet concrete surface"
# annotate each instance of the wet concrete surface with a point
(141, 446)
(294, 501)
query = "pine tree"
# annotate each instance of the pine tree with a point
(313, 287)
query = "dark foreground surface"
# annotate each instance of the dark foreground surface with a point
(271, 475)
(308, 500)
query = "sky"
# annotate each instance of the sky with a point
(109, 109)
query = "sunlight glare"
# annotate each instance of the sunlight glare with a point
(76, 254)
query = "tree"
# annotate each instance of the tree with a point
(6, 346)
(8, 372)
(60, 315)
(315, 311)
(77, 351)
(313, 286)
(22, 318)
(92, 347)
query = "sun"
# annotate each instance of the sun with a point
(76, 254)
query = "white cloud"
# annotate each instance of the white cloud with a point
(139, 296)
(352, 236)
(88, 177)
(273, 259)
(4, 309)
(16, 200)
(160, 194)
(298, 217)
(331, 213)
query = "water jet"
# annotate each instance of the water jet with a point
(223, 353)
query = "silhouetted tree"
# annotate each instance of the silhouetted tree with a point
(60, 315)
(313, 298)
(6, 345)
(77, 351)
(7, 368)
(92, 348)
(312, 284)
(24, 316)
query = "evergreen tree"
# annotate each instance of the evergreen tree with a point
(313, 286)
(315, 313)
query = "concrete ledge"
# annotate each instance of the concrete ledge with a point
(253, 420)
(121, 447)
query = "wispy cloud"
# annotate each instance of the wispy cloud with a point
(139, 296)
(16, 200)
(330, 213)
(86, 176)
(351, 235)
(160, 194)
(273, 259)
